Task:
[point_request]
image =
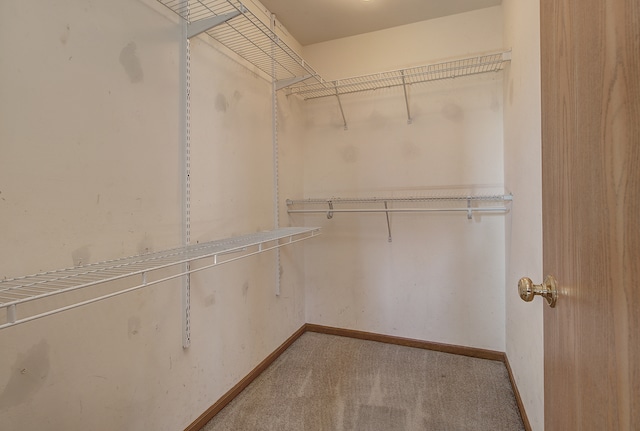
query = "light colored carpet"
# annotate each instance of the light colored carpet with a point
(325, 382)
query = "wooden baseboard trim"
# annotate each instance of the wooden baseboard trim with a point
(492, 355)
(516, 392)
(409, 342)
(199, 423)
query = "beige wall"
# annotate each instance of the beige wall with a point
(423, 284)
(522, 134)
(91, 170)
(408, 45)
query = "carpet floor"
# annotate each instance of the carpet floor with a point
(326, 382)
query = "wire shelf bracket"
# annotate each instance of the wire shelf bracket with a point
(19, 296)
(406, 97)
(206, 24)
(344, 119)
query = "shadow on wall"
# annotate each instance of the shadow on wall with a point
(28, 375)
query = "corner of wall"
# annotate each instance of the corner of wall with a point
(523, 230)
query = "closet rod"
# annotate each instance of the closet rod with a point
(399, 210)
(362, 205)
(493, 198)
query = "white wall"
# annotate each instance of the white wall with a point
(83, 90)
(90, 170)
(522, 135)
(238, 320)
(408, 45)
(442, 277)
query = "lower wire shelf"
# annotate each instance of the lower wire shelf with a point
(22, 298)
(469, 204)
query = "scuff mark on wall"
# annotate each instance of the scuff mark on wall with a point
(377, 120)
(64, 37)
(28, 375)
(131, 63)
(453, 112)
(145, 245)
(81, 256)
(410, 150)
(133, 326)
(210, 300)
(221, 103)
(349, 154)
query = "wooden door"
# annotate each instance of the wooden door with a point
(590, 51)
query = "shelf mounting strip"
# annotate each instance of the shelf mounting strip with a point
(234, 26)
(132, 273)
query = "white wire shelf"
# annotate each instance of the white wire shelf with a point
(434, 198)
(131, 273)
(468, 204)
(404, 77)
(234, 26)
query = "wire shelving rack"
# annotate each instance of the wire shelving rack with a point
(403, 77)
(19, 295)
(234, 26)
(468, 204)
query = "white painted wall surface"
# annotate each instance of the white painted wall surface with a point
(408, 45)
(84, 87)
(442, 277)
(522, 134)
(238, 320)
(90, 169)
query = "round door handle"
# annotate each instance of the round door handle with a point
(548, 289)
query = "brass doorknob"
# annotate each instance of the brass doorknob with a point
(548, 289)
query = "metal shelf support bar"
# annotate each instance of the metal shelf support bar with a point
(340, 105)
(386, 207)
(200, 26)
(185, 149)
(406, 98)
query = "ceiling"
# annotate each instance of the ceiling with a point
(314, 21)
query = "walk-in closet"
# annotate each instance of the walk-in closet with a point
(185, 186)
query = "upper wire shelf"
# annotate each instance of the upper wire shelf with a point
(234, 26)
(404, 77)
(21, 298)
